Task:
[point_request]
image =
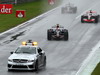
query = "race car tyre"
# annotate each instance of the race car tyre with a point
(98, 16)
(36, 66)
(9, 70)
(62, 10)
(75, 10)
(96, 19)
(49, 35)
(82, 19)
(66, 36)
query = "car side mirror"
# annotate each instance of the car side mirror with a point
(40, 53)
(39, 50)
(11, 52)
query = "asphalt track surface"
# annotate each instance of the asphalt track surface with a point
(63, 57)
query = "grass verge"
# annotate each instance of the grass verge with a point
(32, 9)
(97, 70)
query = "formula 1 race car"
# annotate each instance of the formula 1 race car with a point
(57, 32)
(69, 8)
(90, 17)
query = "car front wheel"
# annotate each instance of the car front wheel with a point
(36, 66)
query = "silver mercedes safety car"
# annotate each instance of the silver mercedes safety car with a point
(28, 56)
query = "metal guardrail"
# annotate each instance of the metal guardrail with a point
(7, 1)
(14, 1)
(23, 1)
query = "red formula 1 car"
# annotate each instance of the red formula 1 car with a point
(90, 17)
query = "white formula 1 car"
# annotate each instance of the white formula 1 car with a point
(69, 8)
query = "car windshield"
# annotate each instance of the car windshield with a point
(28, 50)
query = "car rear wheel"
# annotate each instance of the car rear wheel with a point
(49, 35)
(62, 10)
(96, 19)
(82, 19)
(66, 36)
(75, 10)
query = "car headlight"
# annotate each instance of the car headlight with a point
(10, 60)
(30, 60)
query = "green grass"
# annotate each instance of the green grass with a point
(97, 70)
(32, 9)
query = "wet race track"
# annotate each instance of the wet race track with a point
(63, 57)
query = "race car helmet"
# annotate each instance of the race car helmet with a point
(90, 11)
(57, 26)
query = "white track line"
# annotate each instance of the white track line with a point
(95, 53)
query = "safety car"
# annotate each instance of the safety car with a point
(69, 8)
(57, 32)
(28, 56)
(90, 17)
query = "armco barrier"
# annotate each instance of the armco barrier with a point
(14, 1)
(23, 1)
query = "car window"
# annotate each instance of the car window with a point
(31, 50)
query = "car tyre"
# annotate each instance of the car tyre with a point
(49, 35)
(44, 63)
(82, 19)
(75, 10)
(9, 70)
(36, 66)
(63, 10)
(96, 19)
(66, 36)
